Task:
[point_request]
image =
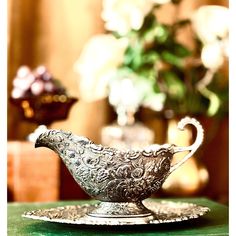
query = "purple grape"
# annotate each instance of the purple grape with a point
(37, 87)
(35, 82)
(40, 70)
(23, 71)
(46, 76)
(17, 93)
(49, 87)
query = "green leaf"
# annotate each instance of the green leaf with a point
(155, 101)
(151, 57)
(214, 101)
(128, 57)
(172, 59)
(175, 87)
(180, 50)
(137, 61)
(133, 55)
(161, 33)
(148, 73)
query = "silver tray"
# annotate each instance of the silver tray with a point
(163, 212)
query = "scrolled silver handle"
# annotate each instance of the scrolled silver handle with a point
(192, 148)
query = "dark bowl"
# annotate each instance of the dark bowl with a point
(45, 108)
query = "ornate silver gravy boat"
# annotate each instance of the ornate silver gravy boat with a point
(119, 179)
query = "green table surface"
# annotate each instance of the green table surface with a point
(214, 222)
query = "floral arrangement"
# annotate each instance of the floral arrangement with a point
(140, 62)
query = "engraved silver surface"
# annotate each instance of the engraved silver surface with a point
(162, 212)
(121, 179)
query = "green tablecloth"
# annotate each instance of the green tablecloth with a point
(213, 223)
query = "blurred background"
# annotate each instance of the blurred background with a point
(122, 75)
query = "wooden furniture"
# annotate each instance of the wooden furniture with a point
(33, 174)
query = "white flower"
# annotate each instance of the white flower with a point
(99, 58)
(211, 23)
(225, 46)
(212, 55)
(130, 91)
(124, 93)
(123, 15)
(155, 101)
